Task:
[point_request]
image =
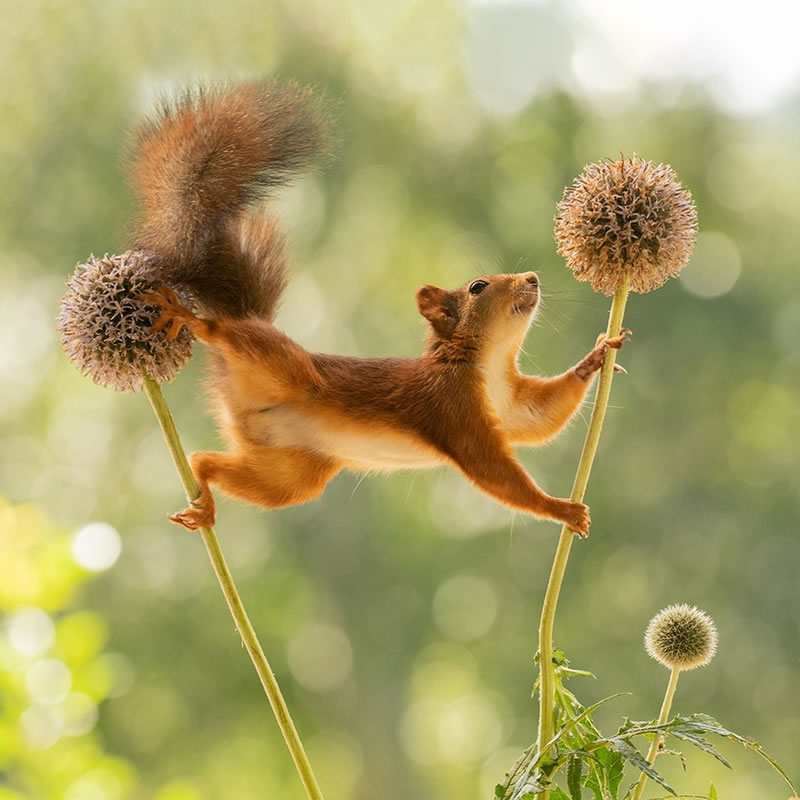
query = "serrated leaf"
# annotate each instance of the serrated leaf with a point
(504, 790)
(557, 793)
(531, 789)
(702, 724)
(708, 724)
(569, 672)
(592, 783)
(586, 714)
(700, 743)
(528, 785)
(614, 770)
(574, 775)
(628, 723)
(638, 761)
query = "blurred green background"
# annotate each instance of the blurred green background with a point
(400, 612)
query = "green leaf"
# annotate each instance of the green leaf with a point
(586, 714)
(574, 775)
(504, 789)
(638, 761)
(614, 769)
(712, 792)
(531, 789)
(700, 743)
(627, 724)
(558, 794)
(706, 724)
(568, 672)
(592, 783)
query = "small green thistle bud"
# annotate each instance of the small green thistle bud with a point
(106, 332)
(629, 219)
(681, 637)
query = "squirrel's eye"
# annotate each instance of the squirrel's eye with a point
(476, 287)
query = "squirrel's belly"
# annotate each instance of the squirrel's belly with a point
(367, 447)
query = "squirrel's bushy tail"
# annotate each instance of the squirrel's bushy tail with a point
(199, 165)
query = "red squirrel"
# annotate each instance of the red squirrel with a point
(201, 170)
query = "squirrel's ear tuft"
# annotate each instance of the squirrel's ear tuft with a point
(438, 307)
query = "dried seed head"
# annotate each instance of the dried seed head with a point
(629, 218)
(681, 636)
(107, 333)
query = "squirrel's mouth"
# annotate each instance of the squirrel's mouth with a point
(525, 304)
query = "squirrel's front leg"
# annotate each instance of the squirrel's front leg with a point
(543, 406)
(587, 366)
(485, 458)
(507, 481)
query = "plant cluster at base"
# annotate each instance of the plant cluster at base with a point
(585, 759)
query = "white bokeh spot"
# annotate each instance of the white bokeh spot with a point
(96, 546)
(30, 631)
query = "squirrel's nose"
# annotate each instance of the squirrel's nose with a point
(532, 278)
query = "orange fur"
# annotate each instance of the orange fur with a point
(295, 419)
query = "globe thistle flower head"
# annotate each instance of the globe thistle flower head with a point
(681, 637)
(106, 332)
(626, 219)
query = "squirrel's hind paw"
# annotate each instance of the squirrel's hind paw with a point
(200, 514)
(172, 314)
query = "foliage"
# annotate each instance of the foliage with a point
(582, 757)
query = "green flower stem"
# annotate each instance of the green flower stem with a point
(662, 718)
(245, 628)
(547, 671)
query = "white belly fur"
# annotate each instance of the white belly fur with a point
(369, 451)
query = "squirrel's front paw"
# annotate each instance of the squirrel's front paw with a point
(172, 313)
(575, 516)
(200, 514)
(594, 361)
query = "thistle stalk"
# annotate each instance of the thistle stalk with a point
(547, 671)
(662, 718)
(232, 598)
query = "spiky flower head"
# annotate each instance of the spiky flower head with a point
(107, 333)
(681, 637)
(626, 219)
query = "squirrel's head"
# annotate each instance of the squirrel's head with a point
(488, 311)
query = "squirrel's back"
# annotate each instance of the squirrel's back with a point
(200, 165)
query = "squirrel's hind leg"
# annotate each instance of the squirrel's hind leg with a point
(270, 477)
